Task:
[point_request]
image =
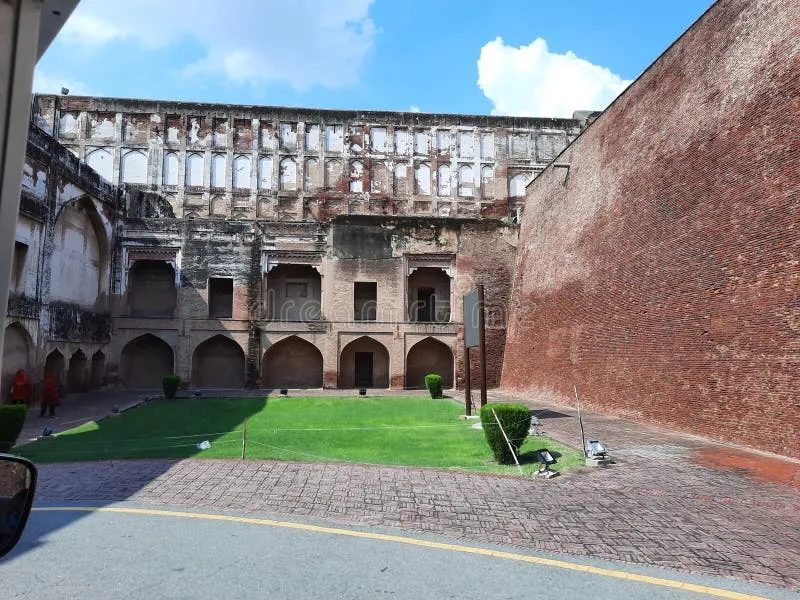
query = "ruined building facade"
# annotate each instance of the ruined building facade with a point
(272, 247)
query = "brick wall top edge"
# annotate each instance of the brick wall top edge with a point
(132, 105)
(455, 222)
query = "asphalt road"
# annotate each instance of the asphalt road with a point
(125, 554)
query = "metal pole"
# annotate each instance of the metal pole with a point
(244, 439)
(580, 420)
(482, 342)
(467, 380)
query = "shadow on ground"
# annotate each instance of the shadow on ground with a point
(186, 432)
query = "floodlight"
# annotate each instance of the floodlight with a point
(362, 391)
(596, 448)
(545, 457)
(284, 392)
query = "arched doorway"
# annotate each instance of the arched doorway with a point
(54, 363)
(292, 363)
(364, 362)
(16, 355)
(427, 357)
(218, 363)
(98, 369)
(151, 289)
(145, 361)
(80, 257)
(77, 373)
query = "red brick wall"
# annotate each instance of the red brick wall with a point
(486, 256)
(660, 272)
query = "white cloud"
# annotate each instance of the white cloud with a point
(45, 83)
(307, 43)
(414, 108)
(532, 81)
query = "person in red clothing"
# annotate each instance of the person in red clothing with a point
(50, 398)
(20, 388)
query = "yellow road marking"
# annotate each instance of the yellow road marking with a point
(549, 562)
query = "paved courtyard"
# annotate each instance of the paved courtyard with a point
(672, 501)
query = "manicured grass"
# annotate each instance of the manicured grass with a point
(411, 431)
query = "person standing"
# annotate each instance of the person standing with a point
(50, 398)
(20, 388)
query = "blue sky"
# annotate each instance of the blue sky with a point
(521, 57)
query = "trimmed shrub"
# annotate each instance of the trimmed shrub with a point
(171, 383)
(434, 384)
(516, 421)
(12, 418)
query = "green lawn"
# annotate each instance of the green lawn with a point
(411, 431)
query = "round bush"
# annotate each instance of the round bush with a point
(434, 384)
(516, 421)
(12, 418)
(171, 383)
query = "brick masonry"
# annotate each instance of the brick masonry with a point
(659, 271)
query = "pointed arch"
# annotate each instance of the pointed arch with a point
(356, 176)
(265, 173)
(133, 168)
(466, 181)
(292, 363)
(54, 364)
(311, 175)
(364, 362)
(443, 180)
(81, 260)
(241, 172)
(429, 356)
(422, 179)
(218, 164)
(194, 170)
(170, 174)
(98, 370)
(102, 161)
(16, 355)
(288, 174)
(218, 362)
(145, 361)
(78, 372)
(516, 186)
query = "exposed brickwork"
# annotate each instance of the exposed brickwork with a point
(659, 272)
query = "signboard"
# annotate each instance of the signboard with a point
(471, 319)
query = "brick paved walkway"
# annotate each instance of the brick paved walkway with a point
(676, 514)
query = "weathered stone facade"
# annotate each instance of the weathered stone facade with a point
(278, 247)
(64, 266)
